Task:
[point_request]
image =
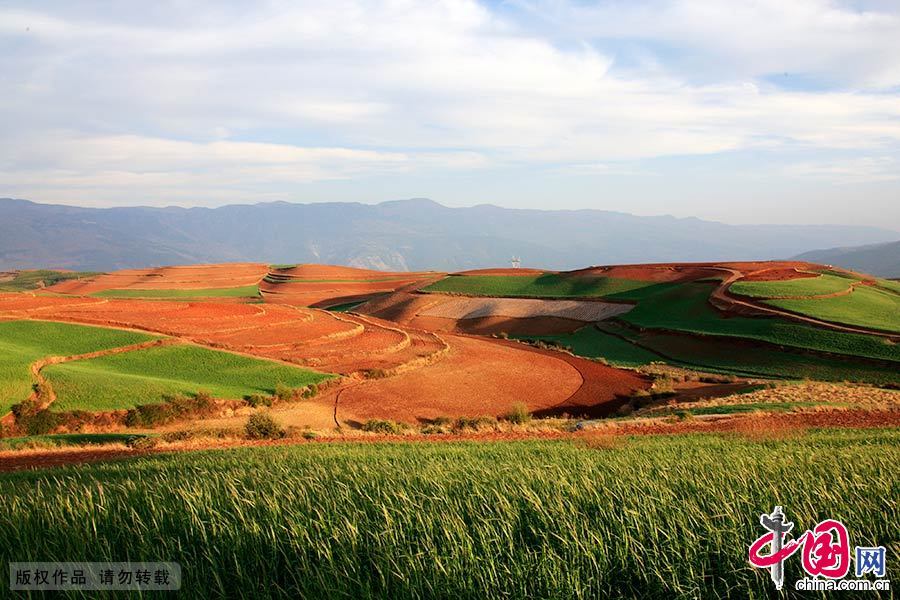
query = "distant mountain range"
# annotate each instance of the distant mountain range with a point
(415, 234)
(877, 259)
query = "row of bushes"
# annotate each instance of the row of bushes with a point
(518, 415)
(282, 393)
(173, 407)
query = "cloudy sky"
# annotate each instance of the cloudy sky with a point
(741, 111)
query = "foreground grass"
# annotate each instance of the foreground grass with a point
(662, 517)
(247, 291)
(23, 342)
(121, 381)
(864, 307)
(32, 280)
(549, 285)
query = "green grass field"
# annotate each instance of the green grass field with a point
(623, 346)
(807, 286)
(120, 381)
(31, 280)
(247, 291)
(686, 308)
(891, 285)
(864, 307)
(345, 307)
(657, 517)
(593, 343)
(23, 342)
(550, 285)
(729, 355)
(63, 439)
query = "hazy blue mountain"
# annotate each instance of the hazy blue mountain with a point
(406, 234)
(876, 259)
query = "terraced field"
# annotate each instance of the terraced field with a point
(546, 285)
(167, 281)
(248, 291)
(686, 308)
(21, 281)
(819, 285)
(23, 342)
(326, 286)
(865, 306)
(122, 381)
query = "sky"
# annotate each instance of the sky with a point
(742, 111)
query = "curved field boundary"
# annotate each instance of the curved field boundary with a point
(597, 381)
(473, 308)
(723, 299)
(44, 383)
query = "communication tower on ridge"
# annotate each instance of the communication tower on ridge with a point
(516, 262)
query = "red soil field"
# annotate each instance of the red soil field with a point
(327, 285)
(168, 278)
(778, 274)
(332, 272)
(476, 378)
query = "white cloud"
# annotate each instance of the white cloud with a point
(867, 169)
(194, 99)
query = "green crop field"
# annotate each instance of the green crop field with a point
(622, 346)
(654, 517)
(807, 286)
(120, 381)
(30, 280)
(23, 342)
(63, 439)
(247, 291)
(593, 343)
(891, 285)
(865, 307)
(729, 355)
(550, 285)
(345, 307)
(686, 308)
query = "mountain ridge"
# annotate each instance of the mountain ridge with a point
(410, 234)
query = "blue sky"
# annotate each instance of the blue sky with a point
(745, 112)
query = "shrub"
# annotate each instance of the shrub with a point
(283, 393)
(310, 390)
(475, 424)
(384, 426)
(434, 429)
(173, 407)
(40, 422)
(625, 410)
(177, 436)
(41, 391)
(263, 426)
(141, 442)
(255, 400)
(518, 414)
(374, 373)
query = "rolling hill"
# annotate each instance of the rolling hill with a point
(878, 259)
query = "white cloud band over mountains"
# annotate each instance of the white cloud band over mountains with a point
(208, 103)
